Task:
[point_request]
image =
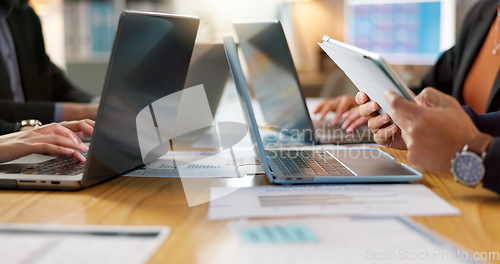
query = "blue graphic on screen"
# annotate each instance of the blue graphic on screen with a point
(397, 31)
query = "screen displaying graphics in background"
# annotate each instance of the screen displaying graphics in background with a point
(404, 31)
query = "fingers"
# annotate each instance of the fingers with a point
(431, 97)
(331, 105)
(85, 126)
(56, 145)
(344, 105)
(385, 135)
(403, 111)
(369, 110)
(54, 150)
(59, 130)
(356, 123)
(353, 120)
(361, 98)
(59, 140)
(320, 106)
(78, 156)
(378, 122)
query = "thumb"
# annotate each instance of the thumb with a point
(431, 97)
(402, 111)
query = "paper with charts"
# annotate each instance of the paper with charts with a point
(352, 199)
(189, 164)
(48, 244)
(328, 240)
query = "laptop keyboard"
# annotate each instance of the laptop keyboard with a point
(307, 163)
(65, 165)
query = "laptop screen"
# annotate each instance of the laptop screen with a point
(246, 105)
(273, 78)
(150, 60)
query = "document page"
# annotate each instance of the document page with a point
(40, 244)
(348, 199)
(341, 240)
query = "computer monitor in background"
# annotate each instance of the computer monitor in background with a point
(403, 31)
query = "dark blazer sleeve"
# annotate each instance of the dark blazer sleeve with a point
(7, 127)
(43, 82)
(14, 112)
(489, 123)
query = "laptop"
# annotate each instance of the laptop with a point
(293, 166)
(209, 67)
(149, 60)
(275, 84)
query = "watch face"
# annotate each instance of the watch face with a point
(468, 168)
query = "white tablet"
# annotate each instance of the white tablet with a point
(369, 72)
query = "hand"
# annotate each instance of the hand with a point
(81, 128)
(385, 134)
(339, 105)
(52, 139)
(79, 111)
(353, 120)
(436, 127)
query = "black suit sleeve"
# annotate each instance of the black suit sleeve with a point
(7, 127)
(488, 123)
(13, 112)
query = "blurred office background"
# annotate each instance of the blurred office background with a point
(409, 33)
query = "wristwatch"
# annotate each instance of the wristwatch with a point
(468, 165)
(31, 122)
(27, 122)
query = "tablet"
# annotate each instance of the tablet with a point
(368, 71)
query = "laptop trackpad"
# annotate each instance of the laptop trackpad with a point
(370, 162)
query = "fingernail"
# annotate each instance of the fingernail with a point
(349, 130)
(68, 151)
(83, 147)
(344, 126)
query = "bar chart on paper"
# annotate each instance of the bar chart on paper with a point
(352, 200)
(189, 164)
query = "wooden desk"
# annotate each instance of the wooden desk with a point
(194, 239)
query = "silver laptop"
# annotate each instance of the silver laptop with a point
(275, 84)
(149, 60)
(209, 67)
(290, 166)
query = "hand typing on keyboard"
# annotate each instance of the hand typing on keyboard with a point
(53, 139)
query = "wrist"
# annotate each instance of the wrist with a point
(480, 144)
(27, 124)
(468, 165)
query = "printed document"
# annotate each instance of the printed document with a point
(48, 244)
(340, 240)
(340, 199)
